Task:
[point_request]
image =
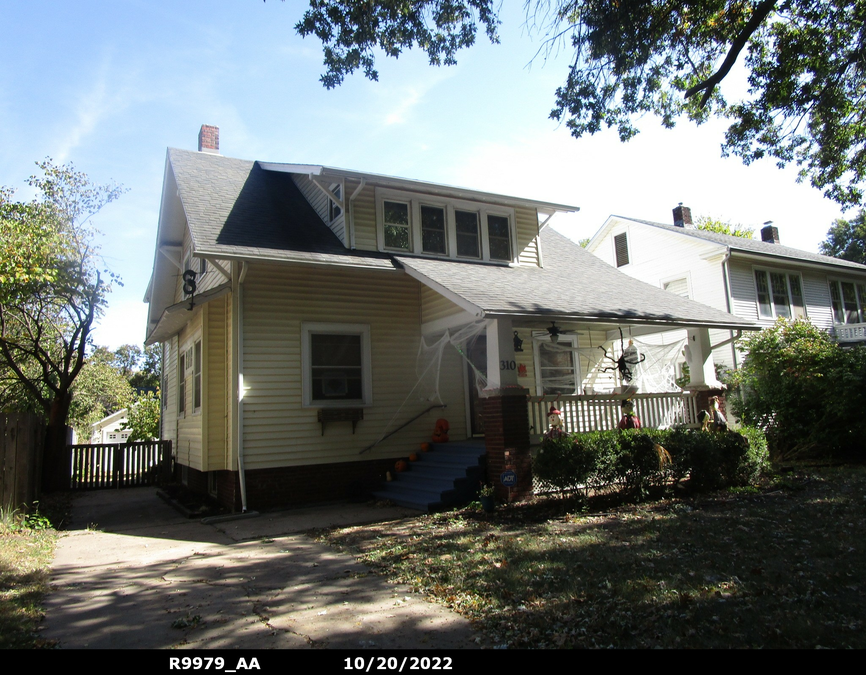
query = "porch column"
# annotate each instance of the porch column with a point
(699, 354)
(702, 370)
(506, 414)
(501, 367)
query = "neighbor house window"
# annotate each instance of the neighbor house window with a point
(849, 302)
(620, 245)
(556, 367)
(444, 227)
(397, 230)
(677, 287)
(779, 294)
(336, 365)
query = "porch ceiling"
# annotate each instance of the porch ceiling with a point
(573, 286)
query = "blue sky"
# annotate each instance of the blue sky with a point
(110, 85)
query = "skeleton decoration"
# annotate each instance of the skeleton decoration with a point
(625, 363)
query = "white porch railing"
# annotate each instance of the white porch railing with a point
(850, 332)
(600, 412)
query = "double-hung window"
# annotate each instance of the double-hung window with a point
(556, 365)
(189, 371)
(196, 376)
(849, 301)
(780, 294)
(336, 365)
(442, 227)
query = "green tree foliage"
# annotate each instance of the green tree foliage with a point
(847, 239)
(49, 301)
(142, 418)
(99, 390)
(805, 62)
(804, 389)
(721, 227)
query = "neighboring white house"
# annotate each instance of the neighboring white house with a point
(757, 280)
(107, 430)
(317, 292)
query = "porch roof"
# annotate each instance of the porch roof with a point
(574, 285)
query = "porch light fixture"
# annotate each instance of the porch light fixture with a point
(518, 343)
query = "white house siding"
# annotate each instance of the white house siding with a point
(527, 235)
(435, 306)
(363, 216)
(189, 431)
(277, 429)
(217, 364)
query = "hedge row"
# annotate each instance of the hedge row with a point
(637, 460)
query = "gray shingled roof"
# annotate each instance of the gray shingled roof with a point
(236, 209)
(753, 245)
(573, 283)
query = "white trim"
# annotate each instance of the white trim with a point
(363, 330)
(449, 205)
(687, 277)
(787, 274)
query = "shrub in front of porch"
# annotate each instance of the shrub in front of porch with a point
(633, 461)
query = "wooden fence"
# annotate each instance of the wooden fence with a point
(23, 436)
(117, 465)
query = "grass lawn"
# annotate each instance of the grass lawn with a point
(26, 551)
(780, 566)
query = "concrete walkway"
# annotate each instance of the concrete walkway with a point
(133, 573)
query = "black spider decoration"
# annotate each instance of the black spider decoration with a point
(630, 357)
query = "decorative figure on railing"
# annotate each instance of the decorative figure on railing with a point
(713, 419)
(554, 419)
(629, 419)
(625, 363)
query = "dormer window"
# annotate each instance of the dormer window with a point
(334, 210)
(444, 228)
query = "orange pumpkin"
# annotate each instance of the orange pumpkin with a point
(401, 465)
(413, 457)
(440, 433)
(425, 447)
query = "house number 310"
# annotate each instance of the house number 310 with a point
(507, 365)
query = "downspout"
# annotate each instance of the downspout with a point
(351, 211)
(241, 471)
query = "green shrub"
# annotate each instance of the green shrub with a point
(630, 460)
(806, 391)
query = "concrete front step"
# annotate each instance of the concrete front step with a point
(445, 476)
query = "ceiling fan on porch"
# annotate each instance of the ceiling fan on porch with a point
(554, 331)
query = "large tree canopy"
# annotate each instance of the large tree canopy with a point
(52, 287)
(847, 239)
(806, 64)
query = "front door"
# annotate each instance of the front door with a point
(476, 353)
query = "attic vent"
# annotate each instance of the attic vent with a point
(620, 243)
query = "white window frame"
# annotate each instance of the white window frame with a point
(539, 339)
(787, 274)
(316, 328)
(859, 296)
(416, 200)
(186, 380)
(337, 189)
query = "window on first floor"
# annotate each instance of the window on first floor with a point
(336, 365)
(780, 294)
(181, 383)
(849, 301)
(196, 377)
(556, 365)
(189, 377)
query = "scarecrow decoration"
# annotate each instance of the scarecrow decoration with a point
(554, 419)
(629, 419)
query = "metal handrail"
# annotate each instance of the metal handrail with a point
(405, 424)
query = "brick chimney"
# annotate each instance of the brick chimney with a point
(209, 139)
(770, 233)
(682, 216)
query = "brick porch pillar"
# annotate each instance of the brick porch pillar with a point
(506, 429)
(703, 397)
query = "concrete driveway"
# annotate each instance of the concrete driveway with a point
(133, 573)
